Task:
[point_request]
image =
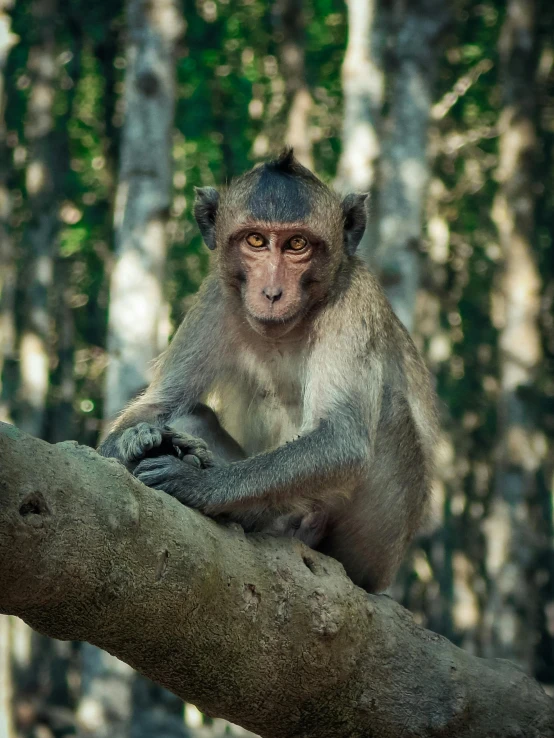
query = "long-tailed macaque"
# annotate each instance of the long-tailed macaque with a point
(315, 409)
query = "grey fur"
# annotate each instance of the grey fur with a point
(327, 434)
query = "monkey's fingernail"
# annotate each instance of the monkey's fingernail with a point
(192, 460)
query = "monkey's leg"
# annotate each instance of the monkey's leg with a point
(369, 536)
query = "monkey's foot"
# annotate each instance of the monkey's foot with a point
(309, 528)
(312, 528)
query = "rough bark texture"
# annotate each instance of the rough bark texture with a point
(513, 541)
(418, 25)
(137, 322)
(258, 630)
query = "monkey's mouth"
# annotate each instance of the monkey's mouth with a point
(272, 325)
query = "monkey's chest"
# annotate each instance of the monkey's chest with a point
(261, 405)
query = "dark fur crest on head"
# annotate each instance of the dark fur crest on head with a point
(286, 163)
(281, 191)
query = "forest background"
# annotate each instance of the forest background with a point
(110, 115)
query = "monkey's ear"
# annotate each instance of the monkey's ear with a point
(355, 218)
(205, 211)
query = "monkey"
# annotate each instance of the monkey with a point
(293, 387)
(189, 438)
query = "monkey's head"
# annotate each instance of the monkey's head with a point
(280, 238)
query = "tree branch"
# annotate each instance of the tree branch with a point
(261, 631)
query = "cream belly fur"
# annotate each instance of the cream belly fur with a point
(259, 400)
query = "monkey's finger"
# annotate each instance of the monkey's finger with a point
(150, 479)
(137, 440)
(152, 463)
(191, 446)
(204, 456)
(192, 460)
(151, 474)
(152, 439)
(171, 476)
(184, 440)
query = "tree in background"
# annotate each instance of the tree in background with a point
(417, 29)
(138, 328)
(391, 58)
(515, 535)
(363, 83)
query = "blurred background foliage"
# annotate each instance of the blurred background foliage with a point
(448, 109)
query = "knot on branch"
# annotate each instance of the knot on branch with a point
(34, 509)
(148, 83)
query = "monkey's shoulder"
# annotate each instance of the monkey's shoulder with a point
(210, 291)
(360, 331)
(360, 314)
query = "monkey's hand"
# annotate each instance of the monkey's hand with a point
(135, 442)
(145, 439)
(189, 449)
(182, 479)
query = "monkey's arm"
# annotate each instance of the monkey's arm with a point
(327, 462)
(202, 422)
(183, 374)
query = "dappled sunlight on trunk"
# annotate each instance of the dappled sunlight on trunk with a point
(137, 302)
(513, 541)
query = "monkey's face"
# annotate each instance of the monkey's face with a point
(274, 268)
(279, 235)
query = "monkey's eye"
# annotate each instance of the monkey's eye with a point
(297, 243)
(255, 240)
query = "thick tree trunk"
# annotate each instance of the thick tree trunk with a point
(41, 235)
(418, 25)
(259, 630)
(511, 617)
(363, 87)
(137, 329)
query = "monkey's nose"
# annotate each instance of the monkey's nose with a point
(273, 293)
